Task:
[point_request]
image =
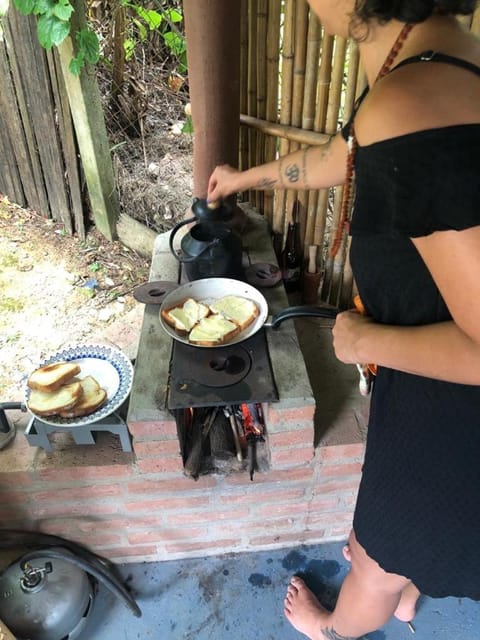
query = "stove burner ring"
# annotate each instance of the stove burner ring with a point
(222, 368)
(232, 365)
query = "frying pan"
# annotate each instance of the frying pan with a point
(208, 290)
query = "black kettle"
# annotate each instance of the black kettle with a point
(212, 247)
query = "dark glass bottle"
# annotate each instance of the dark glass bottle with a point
(291, 259)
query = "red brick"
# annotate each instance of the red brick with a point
(93, 492)
(275, 495)
(214, 545)
(126, 552)
(352, 469)
(274, 477)
(166, 535)
(340, 452)
(320, 503)
(338, 486)
(177, 485)
(291, 438)
(14, 497)
(90, 473)
(292, 457)
(210, 516)
(165, 504)
(160, 429)
(48, 511)
(291, 415)
(290, 510)
(15, 479)
(161, 465)
(164, 448)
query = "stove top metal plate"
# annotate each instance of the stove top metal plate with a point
(217, 377)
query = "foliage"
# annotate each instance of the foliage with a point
(53, 26)
(163, 21)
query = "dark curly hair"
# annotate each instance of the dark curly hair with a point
(410, 10)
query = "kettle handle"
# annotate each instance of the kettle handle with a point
(172, 235)
(176, 253)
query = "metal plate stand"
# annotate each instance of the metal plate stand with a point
(37, 432)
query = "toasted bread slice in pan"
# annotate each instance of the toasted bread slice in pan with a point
(242, 311)
(212, 331)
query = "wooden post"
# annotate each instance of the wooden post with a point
(212, 30)
(87, 113)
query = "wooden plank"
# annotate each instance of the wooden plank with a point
(67, 140)
(88, 118)
(20, 127)
(36, 83)
(10, 181)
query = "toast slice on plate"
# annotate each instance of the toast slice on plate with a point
(92, 398)
(52, 376)
(186, 315)
(49, 403)
(212, 331)
(242, 311)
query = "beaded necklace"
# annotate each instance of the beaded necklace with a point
(345, 213)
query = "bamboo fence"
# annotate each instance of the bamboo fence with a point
(298, 86)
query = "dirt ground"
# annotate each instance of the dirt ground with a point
(56, 290)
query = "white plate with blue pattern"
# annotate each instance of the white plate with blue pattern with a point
(111, 369)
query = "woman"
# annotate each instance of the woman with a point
(415, 254)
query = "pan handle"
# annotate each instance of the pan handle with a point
(301, 311)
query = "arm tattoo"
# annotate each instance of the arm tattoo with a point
(304, 168)
(292, 172)
(331, 634)
(266, 183)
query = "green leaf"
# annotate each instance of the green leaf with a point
(129, 48)
(188, 125)
(142, 31)
(88, 45)
(63, 9)
(24, 6)
(174, 15)
(151, 17)
(44, 7)
(175, 43)
(76, 65)
(51, 31)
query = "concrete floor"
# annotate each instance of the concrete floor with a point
(241, 597)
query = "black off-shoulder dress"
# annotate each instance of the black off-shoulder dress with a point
(418, 507)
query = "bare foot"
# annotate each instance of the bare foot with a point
(303, 610)
(405, 612)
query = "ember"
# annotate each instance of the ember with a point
(222, 439)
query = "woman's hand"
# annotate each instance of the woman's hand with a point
(223, 182)
(347, 332)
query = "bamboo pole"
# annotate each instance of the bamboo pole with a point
(318, 207)
(299, 70)
(314, 38)
(287, 60)
(261, 86)
(252, 86)
(271, 104)
(243, 142)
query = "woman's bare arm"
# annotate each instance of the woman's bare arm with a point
(445, 351)
(314, 167)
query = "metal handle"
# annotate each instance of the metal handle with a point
(301, 311)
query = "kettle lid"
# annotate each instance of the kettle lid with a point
(217, 211)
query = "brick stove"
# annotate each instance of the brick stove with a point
(140, 506)
(301, 498)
